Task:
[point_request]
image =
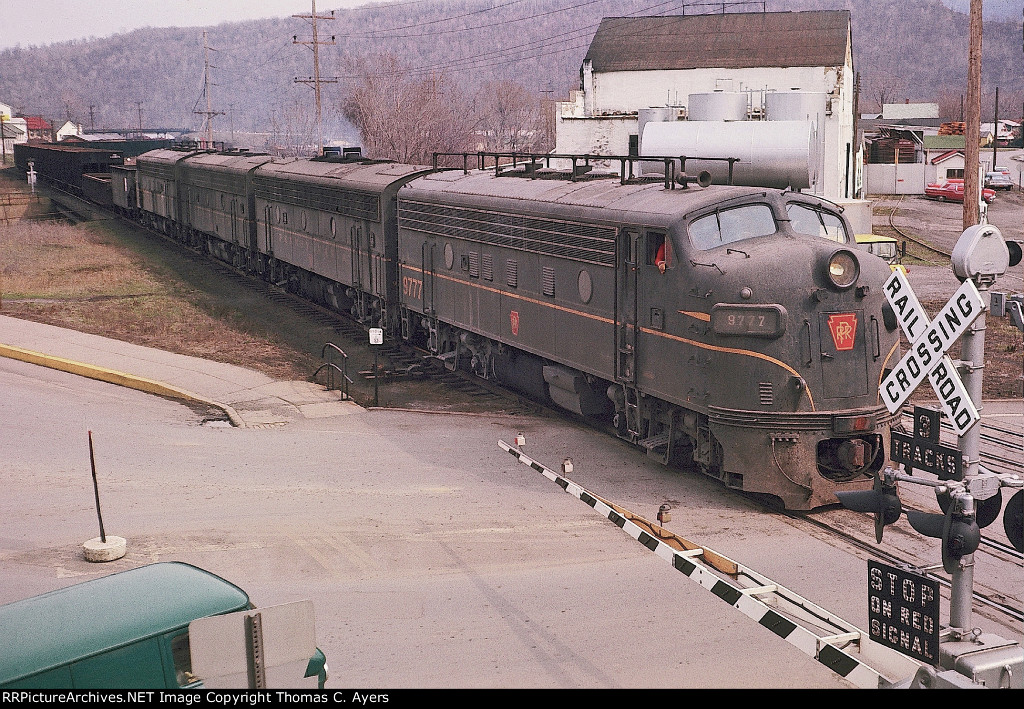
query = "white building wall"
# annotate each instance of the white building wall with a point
(599, 109)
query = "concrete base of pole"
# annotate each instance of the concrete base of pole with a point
(112, 549)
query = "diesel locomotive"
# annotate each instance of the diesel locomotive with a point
(739, 329)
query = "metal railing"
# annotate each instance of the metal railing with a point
(528, 165)
(333, 370)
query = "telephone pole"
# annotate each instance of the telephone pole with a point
(972, 128)
(209, 113)
(316, 79)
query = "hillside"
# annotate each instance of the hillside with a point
(914, 50)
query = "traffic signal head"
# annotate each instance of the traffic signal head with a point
(1013, 520)
(882, 500)
(1016, 249)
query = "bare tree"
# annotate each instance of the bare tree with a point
(886, 88)
(512, 118)
(407, 117)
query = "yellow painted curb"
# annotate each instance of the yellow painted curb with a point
(114, 377)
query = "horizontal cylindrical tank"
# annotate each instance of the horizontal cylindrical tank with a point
(769, 153)
(717, 106)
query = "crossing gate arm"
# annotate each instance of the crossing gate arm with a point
(832, 641)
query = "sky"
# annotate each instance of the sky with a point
(38, 22)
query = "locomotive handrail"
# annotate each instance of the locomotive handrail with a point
(531, 160)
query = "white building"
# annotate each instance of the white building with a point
(638, 63)
(68, 129)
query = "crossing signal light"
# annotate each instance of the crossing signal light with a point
(1016, 248)
(957, 528)
(1013, 520)
(882, 500)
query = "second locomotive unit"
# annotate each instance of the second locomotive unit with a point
(736, 328)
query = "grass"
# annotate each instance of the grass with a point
(81, 278)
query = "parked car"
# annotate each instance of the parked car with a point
(126, 630)
(953, 191)
(998, 181)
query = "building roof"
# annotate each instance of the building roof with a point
(730, 41)
(37, 123)
(12, 131)
(946, 156)
(905, 111)
(944, 142)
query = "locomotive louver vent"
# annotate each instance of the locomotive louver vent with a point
(548, 281)
(488, 267)
(474, 264)
(766, 395)
(512, 273)
(581, 242)
(346, 202)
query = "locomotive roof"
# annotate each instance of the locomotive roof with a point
(649, 199)
(368, 176)
(165, 156)
(239, 162)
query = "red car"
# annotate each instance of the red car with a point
(953, 191)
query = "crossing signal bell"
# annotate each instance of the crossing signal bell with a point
(882, 500)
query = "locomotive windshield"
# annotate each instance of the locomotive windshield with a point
(807, 220)
(729, 225)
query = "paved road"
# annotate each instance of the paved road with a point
(433, 558)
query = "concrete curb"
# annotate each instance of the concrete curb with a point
(114, 377)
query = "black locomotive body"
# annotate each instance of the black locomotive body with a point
(756, 352)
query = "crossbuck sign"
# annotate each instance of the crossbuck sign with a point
(929, 343)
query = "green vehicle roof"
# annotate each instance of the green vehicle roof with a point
(72, 623)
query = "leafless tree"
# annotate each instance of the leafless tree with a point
(407, 117)
(512, 118)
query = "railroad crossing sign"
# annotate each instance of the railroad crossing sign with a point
(927, 354)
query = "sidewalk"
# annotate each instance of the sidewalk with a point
(248, 398)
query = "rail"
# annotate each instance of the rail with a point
(333, 368)
(529, 165)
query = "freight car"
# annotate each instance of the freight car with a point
(755, 352)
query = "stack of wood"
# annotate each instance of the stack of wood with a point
(954, 128)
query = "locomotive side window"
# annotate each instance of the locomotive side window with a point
(807, 220)
(659, 249)
(729, 225)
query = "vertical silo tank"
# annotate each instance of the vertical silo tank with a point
(769, 153)
(717, 106)
(796, 106)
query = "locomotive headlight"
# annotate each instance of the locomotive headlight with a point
(843, 269)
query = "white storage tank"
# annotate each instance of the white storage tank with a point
(776, 154)
(796, 106)
(717, 106)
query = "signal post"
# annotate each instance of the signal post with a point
(969, 495)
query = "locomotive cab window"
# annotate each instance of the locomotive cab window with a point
(730, 225)
(659, 249)
(816, 222)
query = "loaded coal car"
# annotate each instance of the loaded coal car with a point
(755, 353)
(66, 166)
(327, 229)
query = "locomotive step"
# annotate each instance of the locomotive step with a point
(655, 441)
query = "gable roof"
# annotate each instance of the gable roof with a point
(37, 123)
(730, 41)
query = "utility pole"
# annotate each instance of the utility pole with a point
(209, 113)
(995, 133)
(138, 105)
(972, 129)
(92, 116)
(316, 80)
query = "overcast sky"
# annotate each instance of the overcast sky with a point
(40, 22)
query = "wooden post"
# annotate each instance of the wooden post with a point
(972, 129)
